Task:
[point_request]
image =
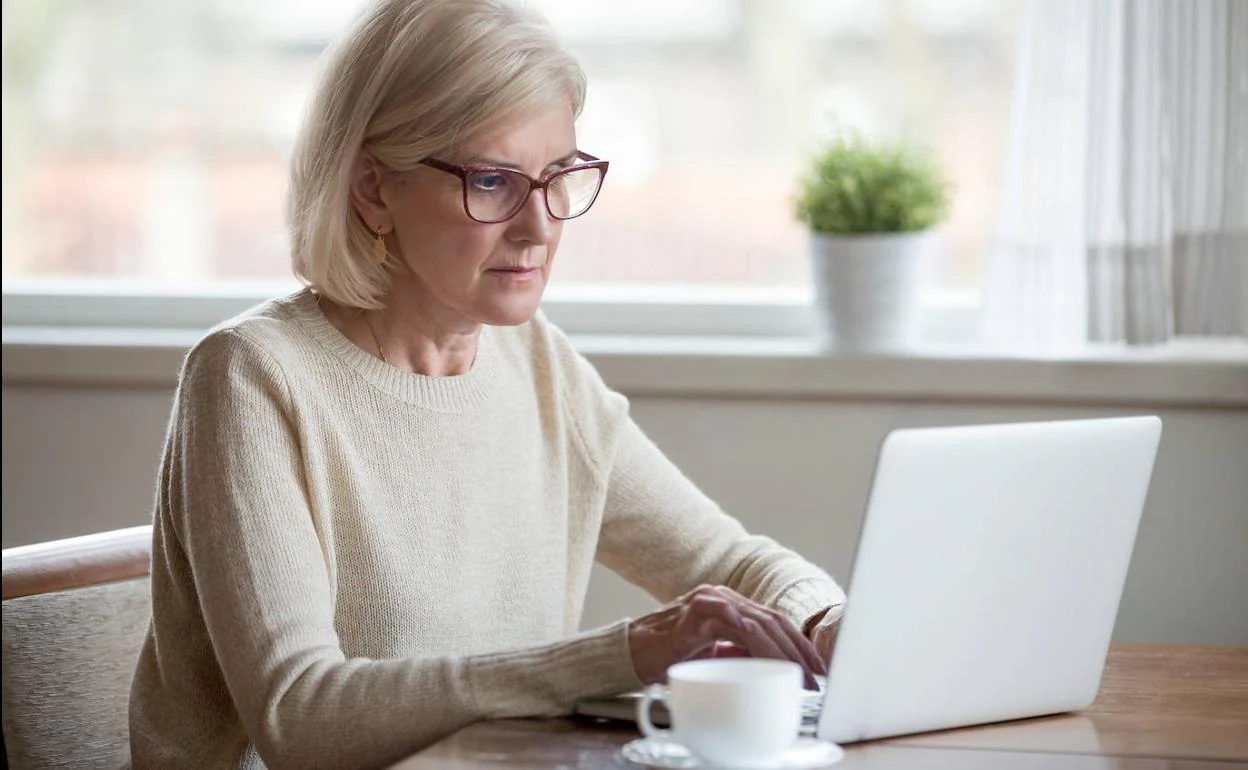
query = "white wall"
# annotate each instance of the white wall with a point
(80, 458)
(800, 470)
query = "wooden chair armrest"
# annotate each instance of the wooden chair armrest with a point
(77, 562)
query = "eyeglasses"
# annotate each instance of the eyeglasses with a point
(493, 194)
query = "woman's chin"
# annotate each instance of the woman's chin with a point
(513, 310)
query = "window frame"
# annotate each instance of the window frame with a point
(949, 317)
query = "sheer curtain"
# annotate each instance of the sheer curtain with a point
(1124, 214)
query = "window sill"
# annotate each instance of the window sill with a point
(1183, 374)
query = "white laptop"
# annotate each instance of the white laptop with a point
(987, 577)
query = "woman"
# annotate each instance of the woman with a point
(380, 497)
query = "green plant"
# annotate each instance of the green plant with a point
(855, 187)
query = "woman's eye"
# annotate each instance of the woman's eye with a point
(488, 182)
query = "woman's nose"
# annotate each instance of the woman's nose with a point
(533, 222)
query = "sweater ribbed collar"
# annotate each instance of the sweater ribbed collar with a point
(456, 393)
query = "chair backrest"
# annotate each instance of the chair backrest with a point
(75, 615)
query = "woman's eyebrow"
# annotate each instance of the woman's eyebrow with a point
(478, 160)
(565, 160)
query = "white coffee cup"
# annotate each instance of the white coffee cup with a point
(730, 712)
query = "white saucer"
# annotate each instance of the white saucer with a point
(806, 754)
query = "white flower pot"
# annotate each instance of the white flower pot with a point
(867, 290)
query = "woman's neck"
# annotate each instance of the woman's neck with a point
(407, 340)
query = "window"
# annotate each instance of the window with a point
(146, 141)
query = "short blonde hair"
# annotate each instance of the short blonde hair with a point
(412, 79)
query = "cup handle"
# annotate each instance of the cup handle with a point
(655, 692)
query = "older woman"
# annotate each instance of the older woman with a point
(381, 496)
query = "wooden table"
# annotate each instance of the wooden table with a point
(1159, 708)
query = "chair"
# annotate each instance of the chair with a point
(75, 615)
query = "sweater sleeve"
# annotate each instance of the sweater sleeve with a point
(239, 513)
(661, 533)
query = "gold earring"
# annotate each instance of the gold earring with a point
(379, 249)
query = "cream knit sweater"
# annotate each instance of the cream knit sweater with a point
(351, 561)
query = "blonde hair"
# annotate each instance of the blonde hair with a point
(412, 79)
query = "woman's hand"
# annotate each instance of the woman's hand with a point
(709, 621)
(822, 628)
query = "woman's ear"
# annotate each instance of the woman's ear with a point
(366, 194)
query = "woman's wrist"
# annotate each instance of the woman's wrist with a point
(809, 625)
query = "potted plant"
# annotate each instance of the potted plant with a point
(870, 209)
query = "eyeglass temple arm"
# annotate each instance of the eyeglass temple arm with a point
(444, 166)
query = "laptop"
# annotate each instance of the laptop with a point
(987, 577)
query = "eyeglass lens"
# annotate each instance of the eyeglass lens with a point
(498, 194)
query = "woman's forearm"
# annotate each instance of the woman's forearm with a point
(371, 713)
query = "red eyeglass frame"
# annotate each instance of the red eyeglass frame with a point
(588, 161)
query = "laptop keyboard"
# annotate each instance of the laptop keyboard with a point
(812, 707)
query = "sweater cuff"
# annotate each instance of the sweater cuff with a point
(805, 599)
(549, 680)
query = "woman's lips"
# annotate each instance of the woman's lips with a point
(516, 274)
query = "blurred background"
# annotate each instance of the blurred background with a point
(146, 141)
(145, 149)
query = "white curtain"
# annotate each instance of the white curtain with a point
(1124, 214)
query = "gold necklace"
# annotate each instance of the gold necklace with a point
(381, 352)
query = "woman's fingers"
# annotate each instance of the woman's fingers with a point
(782, 631)
(716, 622)
(721, 650)
(818, 663)
(788, 638)
(729, 650)
(776, 640)
(720, 614)
(746, 633)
